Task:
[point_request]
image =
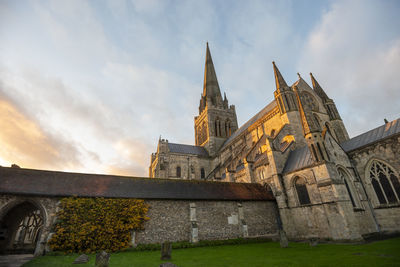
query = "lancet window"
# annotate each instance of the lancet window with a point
(301, 190)
(349, 188)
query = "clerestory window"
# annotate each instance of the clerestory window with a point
(178, 171)
(385, 182)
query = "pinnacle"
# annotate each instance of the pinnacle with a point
(318, 89)
(279, 81)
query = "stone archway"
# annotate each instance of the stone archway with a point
(21, 226)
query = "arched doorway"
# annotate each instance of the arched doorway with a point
(20, 228)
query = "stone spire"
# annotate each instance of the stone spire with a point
(211, 87)
(279, 81)
(318, 89)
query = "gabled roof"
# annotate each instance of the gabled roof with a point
(64, 184)
(298, 159)
(387, 130)
(187, 149)
(245, 126)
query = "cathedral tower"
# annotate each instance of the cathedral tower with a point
(216, 120)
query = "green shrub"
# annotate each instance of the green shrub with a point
(92, 224)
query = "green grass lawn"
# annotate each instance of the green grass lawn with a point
(382, 253)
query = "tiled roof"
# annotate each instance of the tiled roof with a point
(187, 149)
(245, 126)
(298, 159)
(382, 132)
(62, 184)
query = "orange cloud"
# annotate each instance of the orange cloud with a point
(23, 142)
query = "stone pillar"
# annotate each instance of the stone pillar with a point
(194, 236)
(242, 223)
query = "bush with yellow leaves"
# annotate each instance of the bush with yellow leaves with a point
(93, 224)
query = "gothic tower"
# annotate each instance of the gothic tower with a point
(216, 120)
(312, 131)
(339, 130)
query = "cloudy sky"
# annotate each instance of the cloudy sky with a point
(89, 86)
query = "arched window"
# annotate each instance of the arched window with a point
(317, 120)
(202, 173)
(385, 182)
(349, 187)
(178, 171)
(301, 190)
(228, 128)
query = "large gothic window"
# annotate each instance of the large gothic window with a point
(385, 182)
(301, 190)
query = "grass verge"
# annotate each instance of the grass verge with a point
(380, 253)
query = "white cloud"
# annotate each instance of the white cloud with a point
(357, 62)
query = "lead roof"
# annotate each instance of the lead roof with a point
(387, 130)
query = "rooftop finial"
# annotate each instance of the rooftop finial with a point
(298, 74)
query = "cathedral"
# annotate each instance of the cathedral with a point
(326, 185)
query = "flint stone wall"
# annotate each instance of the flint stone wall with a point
(174, 220)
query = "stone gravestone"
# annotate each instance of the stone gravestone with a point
(283, 239)
(313, 242)
(167, 264)
(166, 249)
(81, 259)
(102, 259)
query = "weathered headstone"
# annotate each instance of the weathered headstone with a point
(166, 249)
(81, 259)
(167, 264)
(313, 242)
(102, 259)
(283, 239)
